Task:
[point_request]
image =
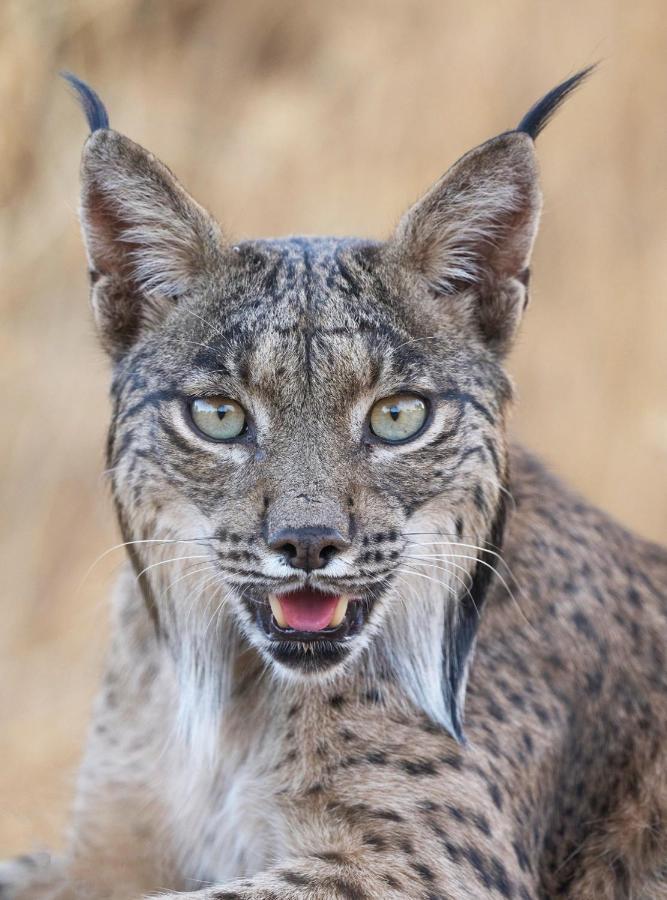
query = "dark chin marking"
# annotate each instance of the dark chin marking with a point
(309, 659)
(459, 639)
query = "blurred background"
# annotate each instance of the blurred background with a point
(288, 116)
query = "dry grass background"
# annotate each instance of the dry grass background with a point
(296, 116)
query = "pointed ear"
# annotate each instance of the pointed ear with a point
(148, 241)
(473, 232)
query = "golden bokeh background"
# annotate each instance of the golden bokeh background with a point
(288, 116)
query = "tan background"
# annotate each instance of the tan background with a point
(306, 117)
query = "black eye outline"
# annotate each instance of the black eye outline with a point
(245, 436)
(371, 437)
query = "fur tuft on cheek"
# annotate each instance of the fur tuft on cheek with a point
(433, 611)
(413, 643)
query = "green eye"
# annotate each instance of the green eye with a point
(398, 417)
(219, 418)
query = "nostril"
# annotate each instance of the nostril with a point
(289, 551)
(309, 547)
(327, 553)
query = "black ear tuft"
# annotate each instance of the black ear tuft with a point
(91, 104)
(541, 112)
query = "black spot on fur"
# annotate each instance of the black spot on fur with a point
(423, 871)
(419, 767)
(332, 857)
(521, 856)
(456, 813)
(583, 625)
(634, 598)
(373, 696)
(377, 758)
(387, 814)
(295, 878)
(376, 841)
(496, 795)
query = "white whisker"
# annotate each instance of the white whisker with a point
(164, 562)
(495, 572)
(143, 541)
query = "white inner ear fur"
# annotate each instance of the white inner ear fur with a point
(478, 223)
(138, 221)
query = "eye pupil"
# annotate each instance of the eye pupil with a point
(222, 412)
(394, 412)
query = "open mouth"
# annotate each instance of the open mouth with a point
(308, 611)
(310, 620)
(311, 615)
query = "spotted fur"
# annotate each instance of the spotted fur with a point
(230, 766)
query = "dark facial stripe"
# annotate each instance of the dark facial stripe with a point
(155, 398)
(466, 399)
(459, 644)
(137, 565)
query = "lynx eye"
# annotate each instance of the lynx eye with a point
(218, 418)
(398, 417)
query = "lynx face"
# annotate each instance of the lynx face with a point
(307, 442)
(301, 419)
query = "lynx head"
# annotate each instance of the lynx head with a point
(307, 448)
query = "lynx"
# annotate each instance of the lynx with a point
(324, 518)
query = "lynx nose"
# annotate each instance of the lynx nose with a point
(308, 548)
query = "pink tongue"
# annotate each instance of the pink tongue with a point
(307, 610)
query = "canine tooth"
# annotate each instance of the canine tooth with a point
(277, 610)
(339, 612)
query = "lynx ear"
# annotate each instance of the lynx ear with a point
(472, 234)
(148, 241)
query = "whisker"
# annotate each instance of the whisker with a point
(481, 550)
(496, 483)
(467, 546)
(225, 598)
(474, 559)
(429, 578)
(208, 324)
(445, 569)
(195, 597)
(466, 587)
(415, 340)
(196, 344)
(447, 534)
(496, 573)
(196, 571)
(164, 562)
(143, 541)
